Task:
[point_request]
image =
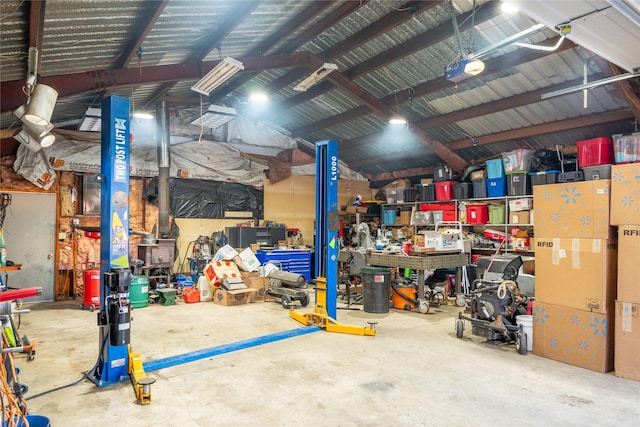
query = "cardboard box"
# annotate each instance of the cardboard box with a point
(235, 297)
(627, 340)
(577, 273)
(625, 194)
(260, 284)
(520, 217)
(478, 175)
(215, 271)
(356, 209)
(577, 337)
(404, 218)
(424, 181)
(628, 263)
(525, 204)
(247, 260)
(418, 240)
(573, 210)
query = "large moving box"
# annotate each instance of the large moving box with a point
(628, 263)
(573, 210)
(577, 337)
(625, 194)
(627, 340)
(576, 273)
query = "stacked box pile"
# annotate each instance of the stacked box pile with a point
(625, 213)
(576, 269)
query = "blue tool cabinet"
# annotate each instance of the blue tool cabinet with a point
(291, 260)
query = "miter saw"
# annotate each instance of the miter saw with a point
(494, 305)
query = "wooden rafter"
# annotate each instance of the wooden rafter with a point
(144, 25)
(370, 32)
(307, 15)
(91, 81)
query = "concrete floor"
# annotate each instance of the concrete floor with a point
(414, 372)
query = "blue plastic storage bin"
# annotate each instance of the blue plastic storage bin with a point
(497, 187)
(389, 216)
(495, 168)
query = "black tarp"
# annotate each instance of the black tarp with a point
(190, 198)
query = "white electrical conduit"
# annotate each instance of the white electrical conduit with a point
(544, 48)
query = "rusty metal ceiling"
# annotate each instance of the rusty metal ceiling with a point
(390, 55)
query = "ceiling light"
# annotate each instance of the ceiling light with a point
(143, 115)
(41, 104)
(463, 69)
(258, 97)
(509, 8)
(222, 72)
(91, 120)
(397, 120)
(315, 77)
(215, 116)
(591, 85)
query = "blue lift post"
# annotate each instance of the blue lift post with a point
(326, 246)
(115, 276)
(327, 220)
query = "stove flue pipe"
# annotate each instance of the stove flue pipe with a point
(164, 163)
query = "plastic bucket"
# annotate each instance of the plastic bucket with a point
(408, 291)
(91, 294)
(526, 320)
(139, 291)
(376, 289)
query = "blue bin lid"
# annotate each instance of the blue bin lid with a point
(543, 172)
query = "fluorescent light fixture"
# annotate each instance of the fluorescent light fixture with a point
(91, 121)
(591, 85)
(41, 104)
(463, 69)
(222, 72)
(215, 116)
(315, 77)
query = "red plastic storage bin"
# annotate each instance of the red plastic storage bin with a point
(444, 190)
(477, 214)
(595, 152)
(448, 215)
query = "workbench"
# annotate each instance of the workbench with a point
(4, 285)
(422, 262)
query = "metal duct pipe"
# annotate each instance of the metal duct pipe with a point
(164, 163)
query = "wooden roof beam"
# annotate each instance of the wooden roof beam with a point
(558, 126)
(305, 16)
(144, 25)
(456, 162)
(497, 64)
(370, 32)
(91, 81)
(405, 173)
(420, 42)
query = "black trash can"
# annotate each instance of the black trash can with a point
(376, 289)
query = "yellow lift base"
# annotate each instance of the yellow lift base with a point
(139, 379)
(319, 316)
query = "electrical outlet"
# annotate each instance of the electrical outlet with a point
(62, 236)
